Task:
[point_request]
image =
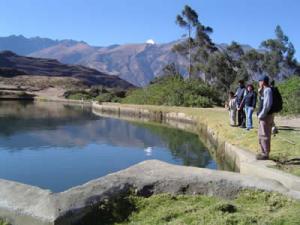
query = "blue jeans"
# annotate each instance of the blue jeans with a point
(249, 111)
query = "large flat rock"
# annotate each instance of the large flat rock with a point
(28, 205)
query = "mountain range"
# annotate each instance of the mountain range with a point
(135, 63)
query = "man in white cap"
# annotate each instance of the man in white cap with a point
(265, 117)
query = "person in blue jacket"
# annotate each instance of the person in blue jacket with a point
(249, 104)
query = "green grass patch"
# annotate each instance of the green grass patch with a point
(4, 222)
(249, 207)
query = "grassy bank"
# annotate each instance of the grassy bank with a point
(3, 222)
(285, 145)
(249, 207)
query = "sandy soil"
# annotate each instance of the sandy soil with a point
(50, 93)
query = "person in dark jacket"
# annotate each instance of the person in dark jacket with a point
(239, 94)
(249, 104)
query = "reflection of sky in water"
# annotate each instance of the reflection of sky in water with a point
(111, 131)
(42, 145)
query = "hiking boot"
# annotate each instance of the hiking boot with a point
(274, 130)
(262, 157)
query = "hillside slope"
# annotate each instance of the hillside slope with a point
(136, 63)
(11, 62)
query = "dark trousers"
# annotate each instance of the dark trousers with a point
(241, 118)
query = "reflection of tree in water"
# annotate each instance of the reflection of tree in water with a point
(183, 145)
(17, 116)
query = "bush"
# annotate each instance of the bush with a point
(99, 94)
(107, 97)
(290, 91)
(79, 96)
(174, 91)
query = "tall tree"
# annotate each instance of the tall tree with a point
(221, 72)
(279, 54)
(197, 47)
(188, 19)
(235, 50)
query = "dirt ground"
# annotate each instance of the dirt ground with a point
(293, 122)
(50, 93)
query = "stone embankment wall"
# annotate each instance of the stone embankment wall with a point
(230, 157)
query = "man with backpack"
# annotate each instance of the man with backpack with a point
(265, 117)
(274, 128)
(270, 102)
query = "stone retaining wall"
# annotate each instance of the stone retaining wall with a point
(237, 159)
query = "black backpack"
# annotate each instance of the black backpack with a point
(277, 101)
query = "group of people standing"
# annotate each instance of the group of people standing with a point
(242, 104)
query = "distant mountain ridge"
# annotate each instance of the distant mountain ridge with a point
(136, 63)
(24, 46)
(12, 65)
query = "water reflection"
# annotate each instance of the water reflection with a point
(57, 146)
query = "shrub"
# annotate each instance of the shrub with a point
(96, 93)
(79, 96)
(174, 91)
(290, 91)
(107, 97)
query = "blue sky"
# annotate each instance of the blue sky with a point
(106, 22)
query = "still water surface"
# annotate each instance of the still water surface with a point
(57, 146)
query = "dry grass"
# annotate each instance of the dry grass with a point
(42, 82)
